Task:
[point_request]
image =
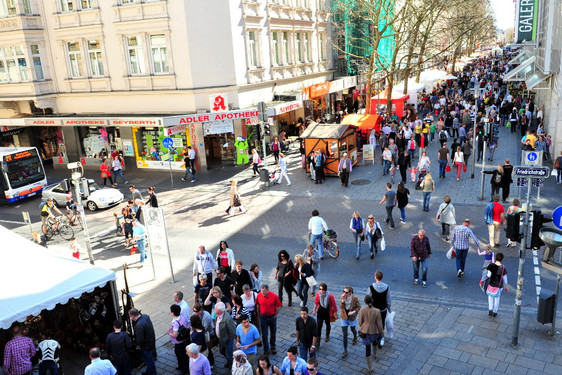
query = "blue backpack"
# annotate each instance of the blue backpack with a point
(488, 214)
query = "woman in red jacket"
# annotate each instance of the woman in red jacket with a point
(325, 309)
(106, 173)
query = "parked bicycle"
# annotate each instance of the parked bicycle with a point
(330, 242)
(59, 226)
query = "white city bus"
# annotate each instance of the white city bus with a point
(21, 173)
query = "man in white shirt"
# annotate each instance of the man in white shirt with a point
(204, 264)
(99, 366)
(178, 299)
(317, 226)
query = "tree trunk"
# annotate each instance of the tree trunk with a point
(369, 84)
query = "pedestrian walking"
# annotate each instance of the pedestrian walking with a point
(511, 216)
(282, 166)
(255, 162)
(240, 276)
(345, 167)
(178, 322)
(304, 271)
(318, 167)
(317, 226)
(496, 180)
(19, 352)
(225, 329)
(117, 166)
(98, 366)
(189, 168)
(420, 252)
(389, 199)
(404, 163)
(460, 243)
(198, 363)
(370, 330)
(380, 293)
(427, 187)
(247, 339)
(235, 201)
(325, 310)
(373, 232)
(145, 339)
(312, 257)
(495, 218)
(458, 161)
(266, 368)
(275, 148)
(423, 163)
(446, 216)
(357, 226)
(307, 334)
(241, 365)
(204, 264)
(466, 151)
(225, 257)
(284, 276)
(224, 282)
(497, 273)
(118, 346)
(443, 157)
(402, 199)
(558, 166)
(106, 173)
(139, 236)
(268, 306)
(386, 160)
(152, 199)
(292, 364)
(349, 307)
(202, 326)
(506, 179)
(256, 277)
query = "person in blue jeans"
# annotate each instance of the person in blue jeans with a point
(386, 160)
(460, 242)
(317, 226)
(304, 270)
(420, 252)
(357, 226)
(139, 235)
(307, 334)
(444, 157)
(428, 187)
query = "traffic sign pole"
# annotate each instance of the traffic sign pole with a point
(169, 144)
(482, 176)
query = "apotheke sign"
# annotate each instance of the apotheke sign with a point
(209, 117)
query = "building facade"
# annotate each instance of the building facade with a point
(79, 77)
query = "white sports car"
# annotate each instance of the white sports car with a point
(99, 197)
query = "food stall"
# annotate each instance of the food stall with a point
(379, 102)
(73, 300)
(333, 140)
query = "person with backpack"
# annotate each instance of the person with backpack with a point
(513, 120)
(357, 226)
(494, 216)
(497, 273)
(496, 180)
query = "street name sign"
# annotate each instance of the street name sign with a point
(531, 172)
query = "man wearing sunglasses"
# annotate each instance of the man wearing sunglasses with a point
(312, 367)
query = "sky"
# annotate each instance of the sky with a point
(504, 11)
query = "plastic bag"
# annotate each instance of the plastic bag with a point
(448, 168)
(451, 254)
(389, 323)
(383, 244)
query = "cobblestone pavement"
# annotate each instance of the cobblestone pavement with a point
(443, 329)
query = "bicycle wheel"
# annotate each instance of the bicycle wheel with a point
(66, 231)
(332, 249)
(47, 230)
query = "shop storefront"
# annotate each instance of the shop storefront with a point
(325, 100)
(287, 116)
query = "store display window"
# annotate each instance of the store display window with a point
(49, 141)
(149, 151)
(98, 142)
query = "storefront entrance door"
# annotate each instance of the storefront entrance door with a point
(219, 149)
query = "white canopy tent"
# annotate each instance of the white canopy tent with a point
(33, 279)
(429, 77)
(413, 89)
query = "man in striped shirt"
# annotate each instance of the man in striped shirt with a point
(460, 242)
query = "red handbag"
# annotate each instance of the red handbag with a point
(465, 168)
(448, 168)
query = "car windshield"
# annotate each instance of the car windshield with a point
(93, 186)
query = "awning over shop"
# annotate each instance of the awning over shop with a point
(529, 72)
(363, 122)
(521, 56)
(324, 131)
(276, 108)
(32, 279)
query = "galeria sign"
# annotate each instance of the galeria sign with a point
(526, 21)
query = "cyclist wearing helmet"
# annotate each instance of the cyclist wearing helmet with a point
(46, 213)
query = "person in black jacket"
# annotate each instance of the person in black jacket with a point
(403, 164)
(145, 339)
(152, 200)
(241, 277)
(118, 345)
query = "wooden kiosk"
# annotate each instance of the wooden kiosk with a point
(333, 140)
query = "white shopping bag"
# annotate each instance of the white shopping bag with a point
(383, 244)
(389, 322)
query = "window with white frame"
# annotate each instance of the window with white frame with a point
(321, 4)
(128, 1)
(307, 49)
(26, 6)
(321, 46)
(37, 67)
(75, 59)
(95, 57)
(159, 54)
(275, 48)
(135, 55)
(298, 47)
(286, 55)
(86, 4)
(7, 8)
(13, 65)
(253, 50)
(66, 5)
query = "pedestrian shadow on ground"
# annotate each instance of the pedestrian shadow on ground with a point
(213, 221)
(200, 206)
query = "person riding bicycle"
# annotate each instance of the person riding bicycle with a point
(316, 226)
(46, 213)
(71, 209)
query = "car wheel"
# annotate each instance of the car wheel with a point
(92, 206)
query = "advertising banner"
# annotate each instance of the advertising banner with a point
(526, 19)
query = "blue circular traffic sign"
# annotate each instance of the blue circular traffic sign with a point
(532, 156)
(557, 217)
(168, 142)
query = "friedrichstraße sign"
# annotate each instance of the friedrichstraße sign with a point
(531, 172)
(526, 21)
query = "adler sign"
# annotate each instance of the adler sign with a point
(208, 117)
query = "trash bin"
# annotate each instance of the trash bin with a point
(264, 177)
(547, 306)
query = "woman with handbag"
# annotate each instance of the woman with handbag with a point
(200, 337)
(458, 161)
(325, 309)
(357, 226)
(179, 321)
(446, 216)
(370, 329)
(304, 272)
(374, 233)
(284, 276)
(402, 199)
(105, 173)
(497, 273)
(235, 201)
(350, 307)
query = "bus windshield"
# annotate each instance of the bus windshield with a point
(23, 168)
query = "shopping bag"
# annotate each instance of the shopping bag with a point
(383, 244)
(311, 281)
(389, 323)
(484, 284)
(448, 168)
(451, 254)
(464, 168)
(492, 291)
(508, 125)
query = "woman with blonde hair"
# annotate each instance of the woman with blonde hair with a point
(496, 180)
(304, 270)
(458, 161)
(216, 296)
(235, 201)
(357, 226)
(446, 216)
(427, 187)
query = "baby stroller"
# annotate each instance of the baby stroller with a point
(421, 176)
